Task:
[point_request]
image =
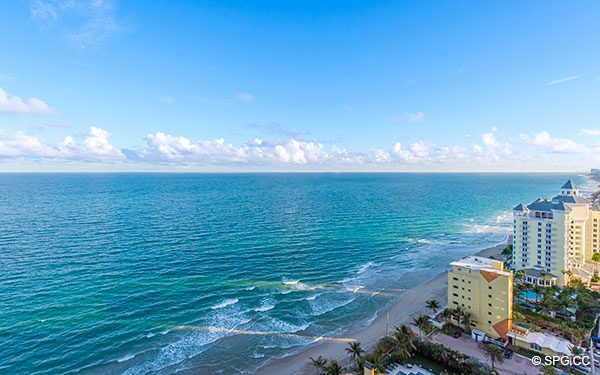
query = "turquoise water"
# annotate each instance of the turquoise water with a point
(530, 295)
(158, 273)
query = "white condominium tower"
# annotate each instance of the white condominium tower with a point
(554, 238)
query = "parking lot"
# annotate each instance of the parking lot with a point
(517, 365)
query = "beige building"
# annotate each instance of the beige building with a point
(484, 288)
(555, 237)
(542, 343)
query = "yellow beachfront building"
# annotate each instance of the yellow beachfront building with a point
(554, 239)
(482, 287)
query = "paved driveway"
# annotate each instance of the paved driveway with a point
(517, 365)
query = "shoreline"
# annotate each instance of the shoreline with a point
(409, 304)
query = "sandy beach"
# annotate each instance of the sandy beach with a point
(411, 303)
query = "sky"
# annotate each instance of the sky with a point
(108, 85)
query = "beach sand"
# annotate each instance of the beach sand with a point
(410, 304)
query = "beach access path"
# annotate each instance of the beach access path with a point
(411, 303)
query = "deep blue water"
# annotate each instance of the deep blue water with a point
(139, 273)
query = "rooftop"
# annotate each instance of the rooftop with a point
(544, 340)
(569, 185)
(480, 263)
(547, 204)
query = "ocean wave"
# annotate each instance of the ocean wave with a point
(354, 289)
(321, 306)
(313, 297)
(191, 343)
(504, 217)
(227, 302)
(176, 352)
(487, 228)
(297, 285)
(280, 326)
(364, 267)
(126, 358)
(264, 308)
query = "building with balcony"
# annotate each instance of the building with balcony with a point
(482, 287)
(557, 236)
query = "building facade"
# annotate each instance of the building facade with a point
(482, 287)
(554, 238)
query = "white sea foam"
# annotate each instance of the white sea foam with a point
(280, 326)
(190, 343)
(321, 306)
(126, 358)
(264, 308)
(227, 302)
(297, 285)
(354, 289)
(150, 335)
(486, 228)
(504, 217)
(364, 267)
(313, 297)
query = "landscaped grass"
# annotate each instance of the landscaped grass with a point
(426, 363)
(528, 353)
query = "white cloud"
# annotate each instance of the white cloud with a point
(165, 151)
(409, 117)
(564, 79)
(162, 147)
(489, 140)
(20, 144)
(549, 143)
(14, 104)
(245, 97)
(590, 132)
(83, 22)
(94, 147)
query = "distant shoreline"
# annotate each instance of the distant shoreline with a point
(410, 303)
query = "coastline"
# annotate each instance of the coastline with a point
(409, 304)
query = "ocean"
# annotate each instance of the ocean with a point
(218, 273)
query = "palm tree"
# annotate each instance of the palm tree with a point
(334, 368)
(466, 320)
(458, 311)
(404, 342)
(423, 323)
(507, 252)
(493, 354)
(319, 363)
(355, 351)
(447, 314)
(596, 259)
(433, 305)
(577, 351)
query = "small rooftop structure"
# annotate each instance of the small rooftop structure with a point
(539, 341)
(569, 185)
(538, 276)
(478, 263)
